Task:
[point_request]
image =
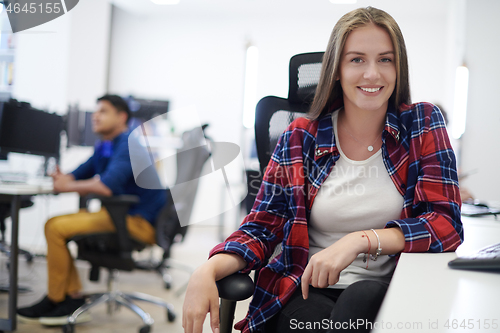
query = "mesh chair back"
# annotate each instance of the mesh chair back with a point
(190, 161)
(274, 114)
(304, 72)
(180, 200)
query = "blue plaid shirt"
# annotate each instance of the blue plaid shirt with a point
(420, 161)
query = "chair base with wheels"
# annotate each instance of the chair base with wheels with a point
(114, 300)
(163, 267)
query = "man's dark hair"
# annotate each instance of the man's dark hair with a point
(118, 102)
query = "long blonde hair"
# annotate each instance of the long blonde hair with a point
(329, 89)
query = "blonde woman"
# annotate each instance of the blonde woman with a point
(367, 176)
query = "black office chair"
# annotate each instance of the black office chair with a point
(272, 116)
(5, 213)
(113, 251)
(190, 161)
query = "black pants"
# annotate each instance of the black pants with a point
(331, 310)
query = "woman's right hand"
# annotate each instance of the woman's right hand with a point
(202, 297)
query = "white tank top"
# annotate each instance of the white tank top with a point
(357, 195)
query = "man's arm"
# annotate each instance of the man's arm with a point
(67, 183)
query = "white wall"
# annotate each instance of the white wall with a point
(41, 65)
(482, 135)
(197, 60)
(89, 52)
(200, 60)
(65, 60)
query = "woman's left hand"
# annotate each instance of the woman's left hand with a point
(324, 267)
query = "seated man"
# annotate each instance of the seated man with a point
(108, 172)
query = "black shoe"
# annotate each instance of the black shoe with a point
(34, 312)
(59, 315)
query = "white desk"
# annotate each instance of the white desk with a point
(12, 193)
(427, 296)
(26, 189)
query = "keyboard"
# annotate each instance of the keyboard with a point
(474, 209)
(13, 177)
(486, 259)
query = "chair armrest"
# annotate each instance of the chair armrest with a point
(235, 287)
(232, 288)
(117, 207)
(124, 199)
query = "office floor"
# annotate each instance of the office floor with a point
(192, 252)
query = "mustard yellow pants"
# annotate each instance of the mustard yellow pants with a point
(62, 275)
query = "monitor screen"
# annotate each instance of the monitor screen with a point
(24, 129)
(146, 109)
(78, 127)
(88, 136)
(72, 126)
(78, 123)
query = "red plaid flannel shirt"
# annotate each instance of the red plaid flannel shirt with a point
(420, 161)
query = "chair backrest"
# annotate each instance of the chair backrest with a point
(191, 158)
(274, 114)
(110, 250)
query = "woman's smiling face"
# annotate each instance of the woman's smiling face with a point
(367, 69)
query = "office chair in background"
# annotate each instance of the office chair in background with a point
(4, 214)
(113, 251)
(272, 116)
(190, 164)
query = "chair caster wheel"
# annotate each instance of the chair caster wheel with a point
(68, 328)
(170, 316)
(145, 329)
(167, 281)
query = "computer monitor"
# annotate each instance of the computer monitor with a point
(72, 126)
(78, 127)
(78, 123)
(146, 109)
(88, 136)
(24, 129)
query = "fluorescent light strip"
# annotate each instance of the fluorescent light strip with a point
(460, 104)
(250, 90)
(343, 2)
(165, 2)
